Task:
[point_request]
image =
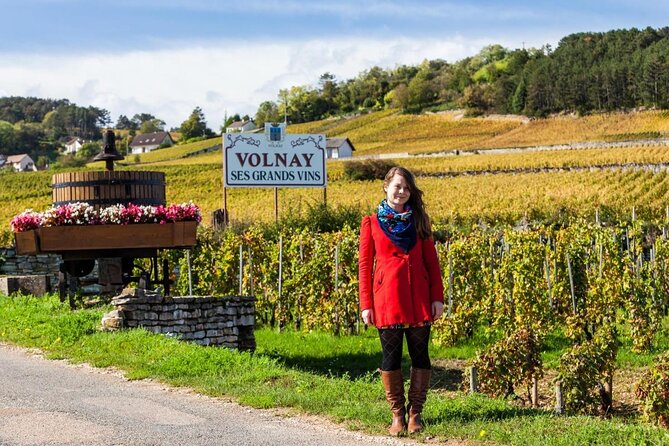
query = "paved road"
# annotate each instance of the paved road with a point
(55, 403)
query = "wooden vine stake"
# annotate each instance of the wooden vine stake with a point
(241, 268)
(280, 277)
(451, 278)
(559, 399)
(190, 273)
(571, 285)
(547, 268)
(608, 388)
(473, 380)
(535, 392)
(250, 253)
(336, 286)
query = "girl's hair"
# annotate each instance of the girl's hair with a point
(421, 219)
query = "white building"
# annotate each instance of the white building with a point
(339, 148)
(240, 127)
(21, 163)
(147, 142)
(73, 145)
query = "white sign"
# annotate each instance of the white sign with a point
(274, 159)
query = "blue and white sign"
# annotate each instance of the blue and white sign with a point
(274, 159)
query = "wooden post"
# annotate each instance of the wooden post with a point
(535, 392)
(276, 205)
(450, 283)
(225, 207)
(190, 274)
(571, 285)
(219, 219)
(325, 196)
(251, 270)
(280, 274)
(608, 388)
(336, 277)
(241, 268)
(559, 400)
(473, 380)
(548, 281)
(336, 286)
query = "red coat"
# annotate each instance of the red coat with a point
(402, 286)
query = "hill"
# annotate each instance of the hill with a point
(486, 182)
(391, 132)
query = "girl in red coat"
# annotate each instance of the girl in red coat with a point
(401, 291)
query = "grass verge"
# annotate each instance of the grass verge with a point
(275, 377)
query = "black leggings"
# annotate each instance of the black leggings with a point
(417, 341)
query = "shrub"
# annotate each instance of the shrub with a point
(653, 392)
(367, 170)
(582, 371)
(512, 361)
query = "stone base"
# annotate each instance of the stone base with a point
(206, 320)
(37, 285)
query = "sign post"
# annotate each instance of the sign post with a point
(274, 159)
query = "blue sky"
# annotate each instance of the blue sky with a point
(166, 57)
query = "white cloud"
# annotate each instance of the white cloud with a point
(230, 76)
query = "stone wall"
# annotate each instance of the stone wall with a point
(217, 321)
(41, 264)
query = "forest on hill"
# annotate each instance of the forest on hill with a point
(614, 70)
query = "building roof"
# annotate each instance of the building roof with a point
(335, 143)
(73, 139)
(17, 158)
(239, 124)
(147, 139)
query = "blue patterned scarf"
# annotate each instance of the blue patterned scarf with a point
(398, 226)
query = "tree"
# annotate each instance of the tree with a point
(268, 111)
(7, 137)
(231, 119)
(152, 125)
(195, 125)
(398, 97)
(88, 150)
(123, 123)
(518, 99)
(421, 89)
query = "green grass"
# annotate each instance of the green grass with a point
(304, 371)
(173, 152)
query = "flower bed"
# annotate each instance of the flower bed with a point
(83, 214)
(79, 227)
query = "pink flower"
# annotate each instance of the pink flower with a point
(26, 221)
(85, 214)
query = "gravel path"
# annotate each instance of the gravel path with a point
(46, 402)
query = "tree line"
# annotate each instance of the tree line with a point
(586, 72)
(40, 127)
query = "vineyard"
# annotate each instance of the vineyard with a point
(534, 246)
(507, 197)
(590, 283)
(385, 132)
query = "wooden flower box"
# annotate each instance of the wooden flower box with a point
(100, 237)
(26, 242)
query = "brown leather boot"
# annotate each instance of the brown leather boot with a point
(394, 386)
(420, 382)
